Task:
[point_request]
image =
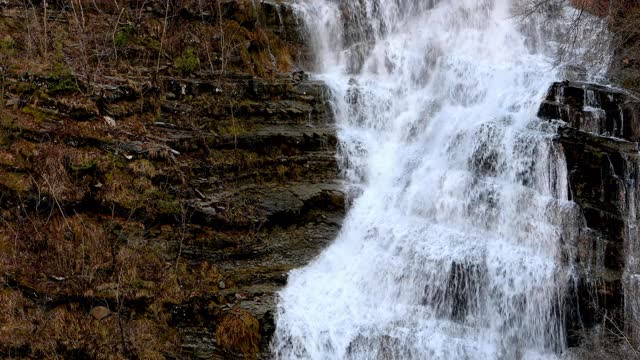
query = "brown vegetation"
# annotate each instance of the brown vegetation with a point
(93, 193)
(239, 331)
(85, 43)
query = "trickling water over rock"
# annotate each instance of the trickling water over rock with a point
(594, 109)
(599, 138)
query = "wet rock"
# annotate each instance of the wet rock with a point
(594, 109)
(77, 108)
(111, 93)
(268, 206)
(599, 134)
(574, 73)
(199, 343)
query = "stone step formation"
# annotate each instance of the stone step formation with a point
(188, 196)
(157, 211)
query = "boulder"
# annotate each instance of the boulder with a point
(100, 312)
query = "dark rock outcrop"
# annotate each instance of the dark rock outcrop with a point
(599, 134)
(594, 109)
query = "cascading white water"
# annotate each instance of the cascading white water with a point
(452, 248)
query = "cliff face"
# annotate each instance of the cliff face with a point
(163, 165)
(599, 137)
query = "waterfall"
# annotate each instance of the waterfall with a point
(454, 244)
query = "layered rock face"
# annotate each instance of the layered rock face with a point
(164, 164)
(157, 185)
(599, 137)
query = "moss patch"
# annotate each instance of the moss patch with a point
(62, 81)
(16, 182)
(124, 35)
(188, 62)
(37, 114)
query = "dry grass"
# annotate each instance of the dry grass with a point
(153, 338)
(55, 166)
(77, 246)
(107, 255)
(7, 159)
(8, 239)
(59, 255)
(20, 183)
(141, 269)
(143, 168)
(68, 331)
(239, 332)
(23, 150)
(19, 318)
(96, 39)
(72, 256)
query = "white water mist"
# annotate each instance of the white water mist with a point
(452, 248)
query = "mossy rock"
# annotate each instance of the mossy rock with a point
(23, 88)
(5, 140)
(38, 114)
(162, 203)
(149, 43)
(61, 81)
(143, 167)
(17, 182)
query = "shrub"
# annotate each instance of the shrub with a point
(7, 46)
(62, 81)
(124, 35)
(188, 62)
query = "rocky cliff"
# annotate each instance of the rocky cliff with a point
(599, 135)
(163, 165)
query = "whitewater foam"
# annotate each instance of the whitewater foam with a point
(453, 247)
